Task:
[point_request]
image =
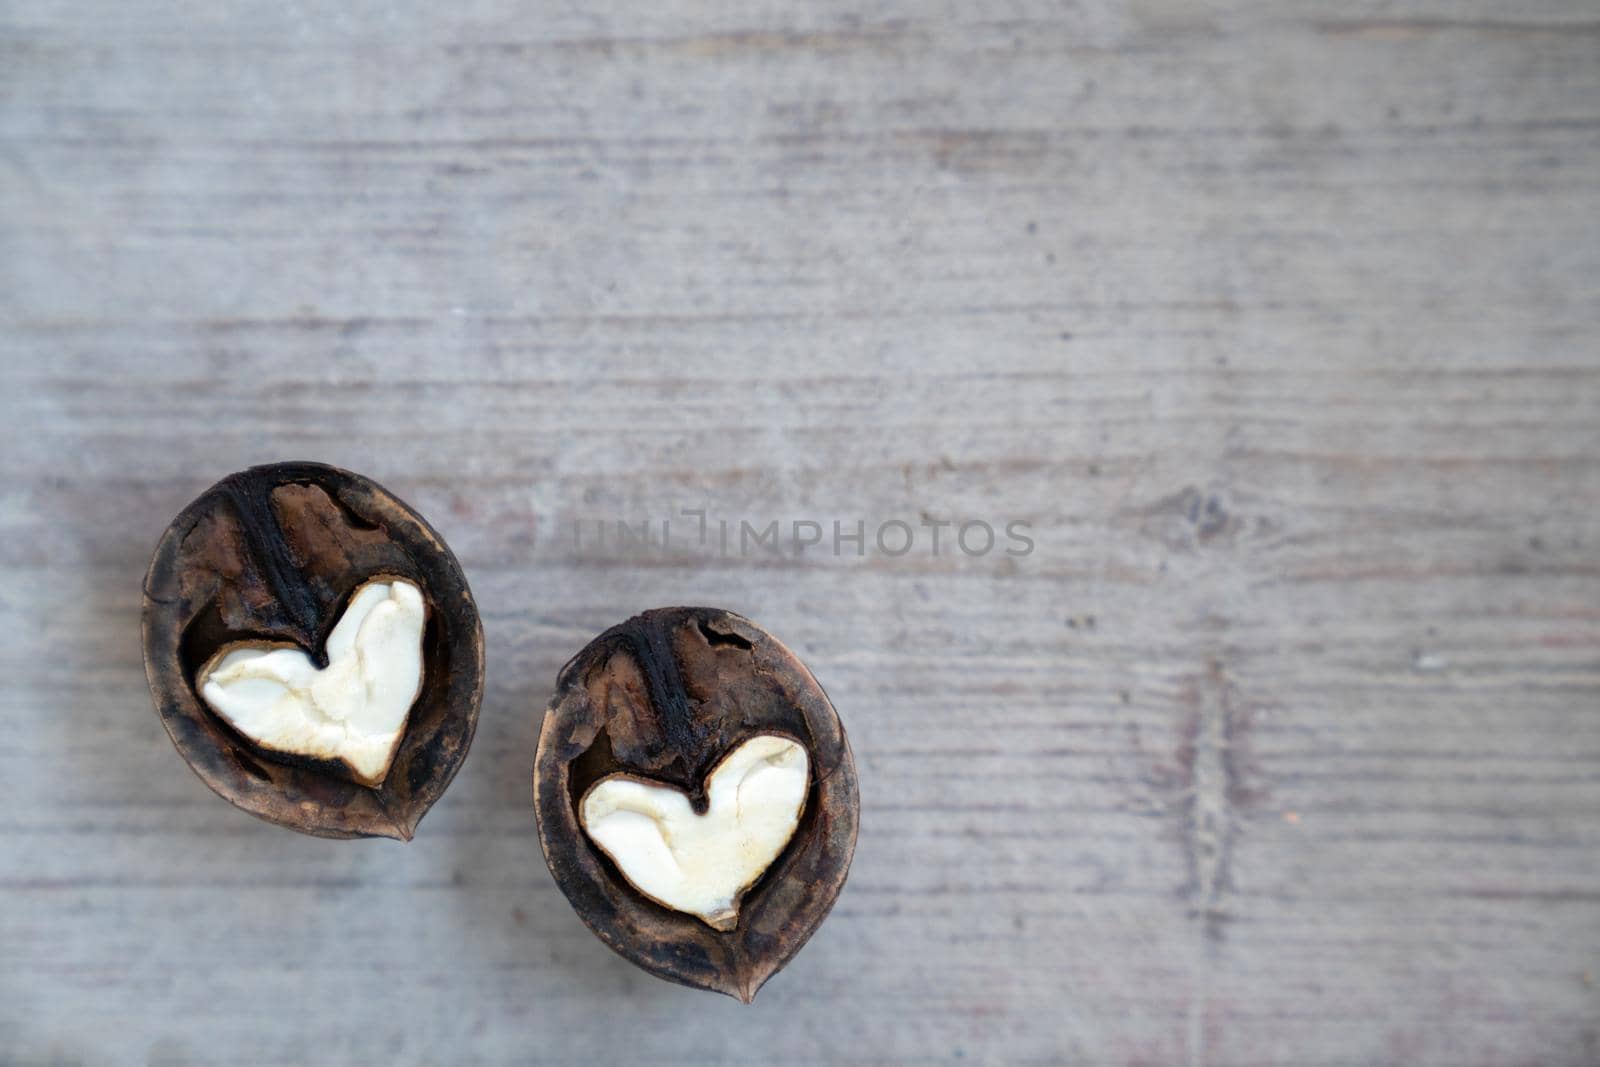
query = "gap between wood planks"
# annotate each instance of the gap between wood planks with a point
(1201, 528)
(1208, 837)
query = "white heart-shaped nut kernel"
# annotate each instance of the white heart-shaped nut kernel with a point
(702, 864)
(353, 710)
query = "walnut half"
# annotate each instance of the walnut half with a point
(696, 797)
(313, 650)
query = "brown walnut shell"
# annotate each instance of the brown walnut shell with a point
(272, 555)
(665, 696)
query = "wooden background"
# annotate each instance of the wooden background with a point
(1279, 322)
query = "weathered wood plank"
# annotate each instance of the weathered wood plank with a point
(1278, 324)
